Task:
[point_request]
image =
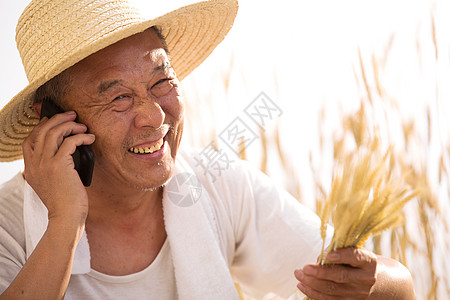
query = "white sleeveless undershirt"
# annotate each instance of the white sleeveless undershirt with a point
(157, 281)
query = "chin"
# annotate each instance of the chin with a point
(156, 179)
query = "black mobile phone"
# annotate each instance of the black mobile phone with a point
(83, 157)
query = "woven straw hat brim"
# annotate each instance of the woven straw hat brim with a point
(191, 33)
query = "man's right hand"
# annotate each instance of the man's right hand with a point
(49, 167)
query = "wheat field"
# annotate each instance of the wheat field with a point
(416, 150)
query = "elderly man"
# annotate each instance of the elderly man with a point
(123, 236)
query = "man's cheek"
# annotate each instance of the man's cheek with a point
(173, 105)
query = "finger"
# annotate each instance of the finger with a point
(336, 273)
(29, 144)
(55, 137)
(27, 149)
(316, 295)
(356, 257)
(70, 144)
(30, 141)
(342, 274)
(40, 131)
(27, 157)
(327, 287)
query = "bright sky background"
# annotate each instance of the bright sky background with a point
(303, 55)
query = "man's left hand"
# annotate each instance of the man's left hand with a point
(351, 275)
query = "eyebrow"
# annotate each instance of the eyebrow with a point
(163, 66)
(106, 85)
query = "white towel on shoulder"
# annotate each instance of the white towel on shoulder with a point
(200, 269)
(35, 216)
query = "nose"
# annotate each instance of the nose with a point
(149, 113)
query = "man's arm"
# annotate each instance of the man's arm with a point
(356, 274)
(49, 170)
(46, 273)
(394, 281)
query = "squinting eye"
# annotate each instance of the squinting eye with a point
(120, 97)
(121, 103)
(160, 81)
(162, 87)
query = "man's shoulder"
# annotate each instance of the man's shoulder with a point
(214, 163)
(12, 231)
(12, 190)
(216, 168)
(229, 182)
(11, 201)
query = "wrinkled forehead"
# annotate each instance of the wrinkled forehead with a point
(142, 53)
(144, 46)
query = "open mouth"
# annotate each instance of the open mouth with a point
(147, 150)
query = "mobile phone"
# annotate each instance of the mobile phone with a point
(83, 157)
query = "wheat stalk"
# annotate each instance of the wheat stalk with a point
(365, 199)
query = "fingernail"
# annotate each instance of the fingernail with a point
(300, 274)
(333, 256)
(309, 270)
(91, 135)
(70, 112)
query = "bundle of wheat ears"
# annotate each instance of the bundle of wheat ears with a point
(365, 199)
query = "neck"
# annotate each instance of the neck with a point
(113, 203)
(125, 227)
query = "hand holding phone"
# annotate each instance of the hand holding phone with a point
(83, 157)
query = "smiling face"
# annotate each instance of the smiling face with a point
(128, 96)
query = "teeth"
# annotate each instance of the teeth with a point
(147, 150)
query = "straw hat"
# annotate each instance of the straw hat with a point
(53, 35)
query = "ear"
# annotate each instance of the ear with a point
(37, 108)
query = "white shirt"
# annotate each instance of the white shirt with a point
(157, 281)
(263, 234)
